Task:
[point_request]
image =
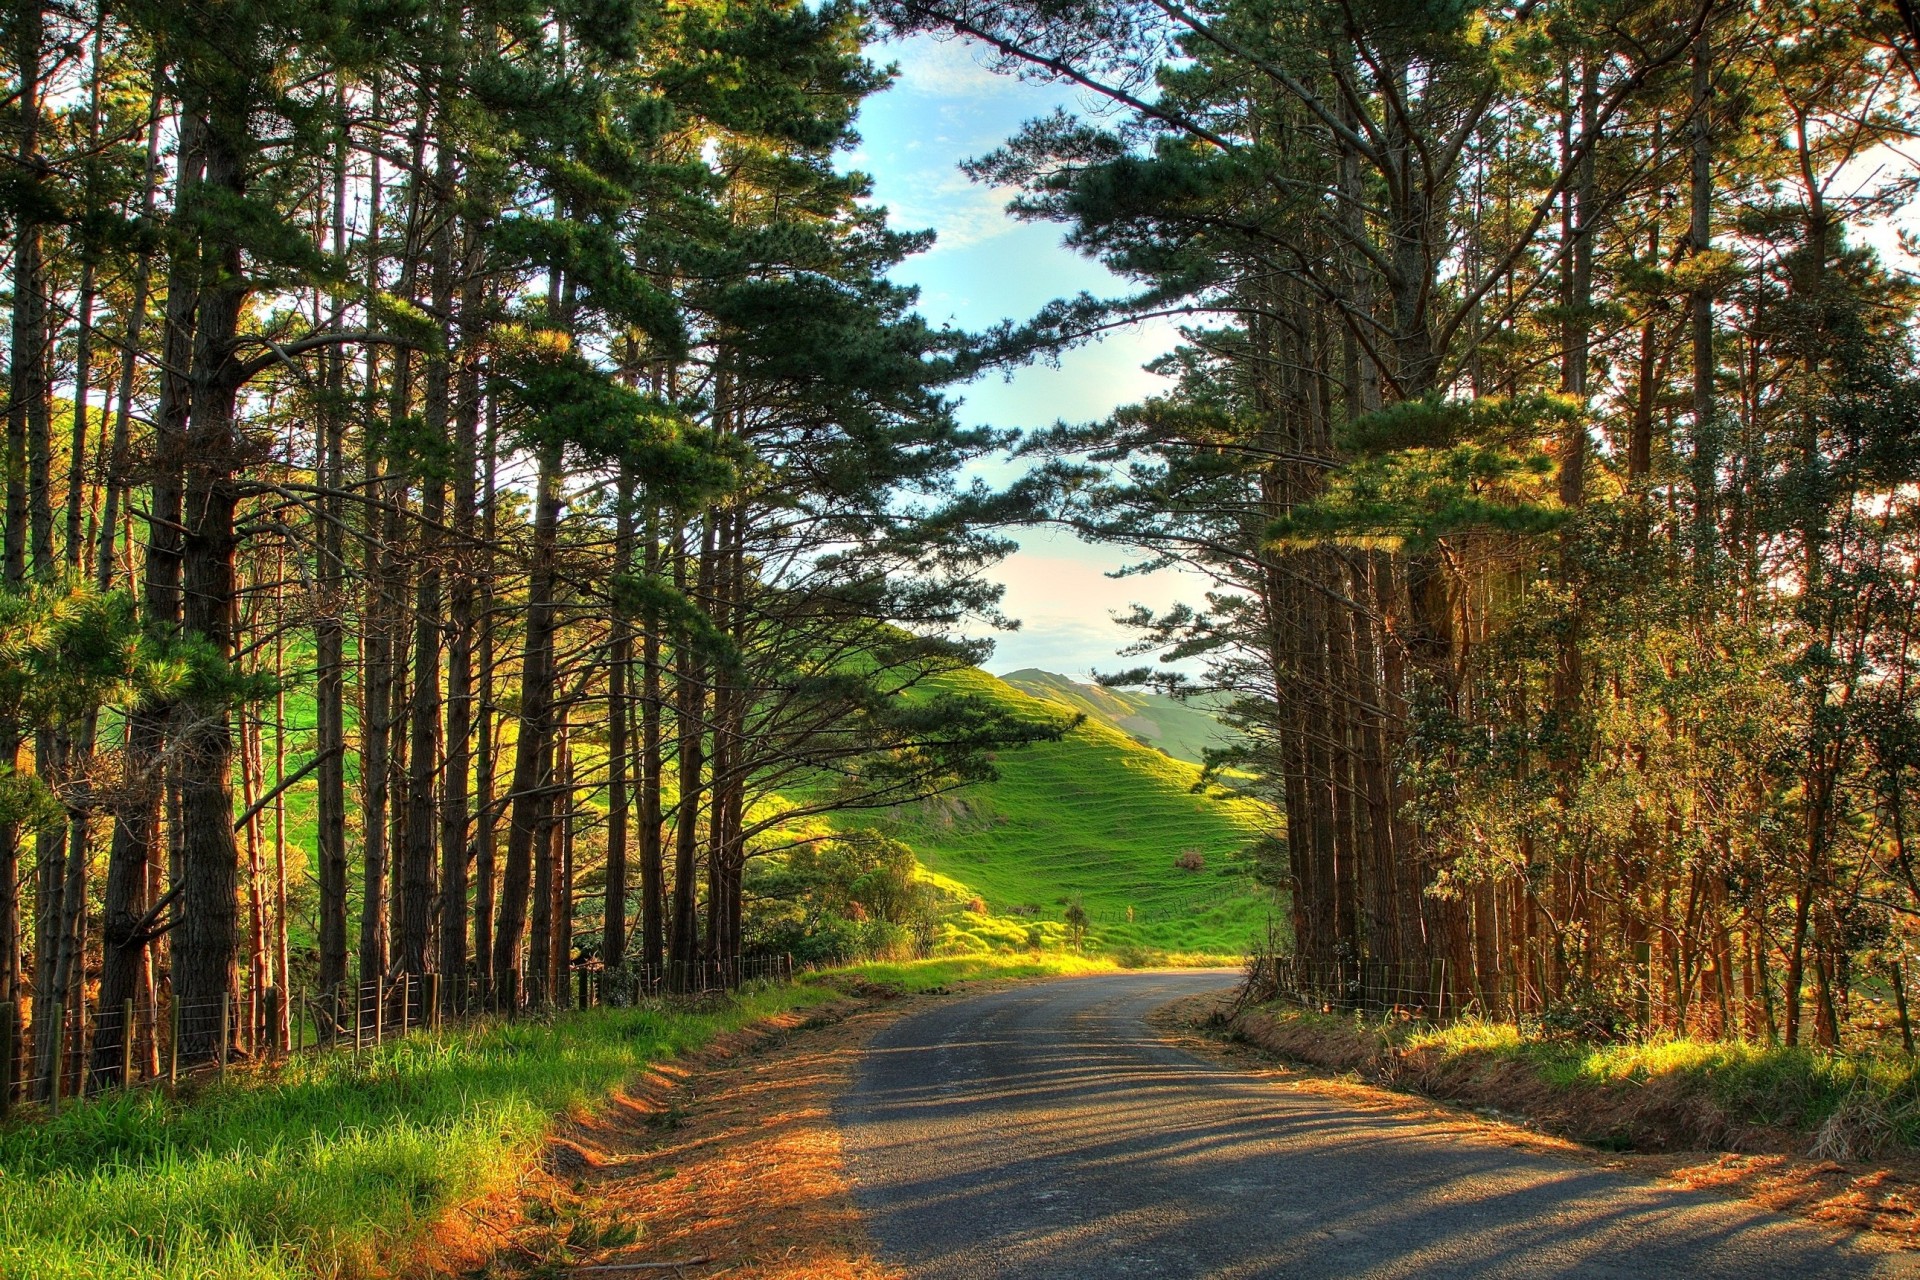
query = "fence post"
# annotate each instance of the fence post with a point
(6, 1059)
(407, 989)
(356, 1026)
(59, 1024)
(433, 1002)
(379, 1010)
(226, 1030)
(126, 1043)
(173, 1040)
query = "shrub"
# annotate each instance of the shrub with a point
(1191, 860)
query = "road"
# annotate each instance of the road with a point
(1045, 1131)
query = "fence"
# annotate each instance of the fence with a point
(161, 1040)
(1438, 992)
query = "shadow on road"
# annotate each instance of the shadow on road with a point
(1045, 1132)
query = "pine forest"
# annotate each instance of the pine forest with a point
(490, 527)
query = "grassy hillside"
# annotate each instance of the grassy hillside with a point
(1099, 819)
(1184, 730)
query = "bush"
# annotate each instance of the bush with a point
(1191, 860)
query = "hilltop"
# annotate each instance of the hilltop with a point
(1182, 729)
(1097, 818)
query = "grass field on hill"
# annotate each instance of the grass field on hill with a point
(1100, 819)
(1184, 730)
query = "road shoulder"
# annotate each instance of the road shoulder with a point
(725, 1162)
(1877, 1206)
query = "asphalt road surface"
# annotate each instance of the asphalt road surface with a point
(1045, 1131)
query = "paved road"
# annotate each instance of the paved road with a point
(1044, 1131)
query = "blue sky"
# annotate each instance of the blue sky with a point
(985, 267)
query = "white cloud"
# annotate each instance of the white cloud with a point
(1059, 590)
(944, 68)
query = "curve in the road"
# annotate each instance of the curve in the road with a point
(1046, 1132)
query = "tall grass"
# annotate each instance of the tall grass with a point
(329, 1166)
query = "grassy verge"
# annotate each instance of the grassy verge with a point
(329, 1166)
(1657, 1095)
(335, 1167)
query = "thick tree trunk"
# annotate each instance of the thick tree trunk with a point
(204, 944)
(533, 746)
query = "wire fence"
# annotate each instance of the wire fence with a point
(81, 1051)
(1639, 995)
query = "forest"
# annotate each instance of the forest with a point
(1544, 417)
(498, 423)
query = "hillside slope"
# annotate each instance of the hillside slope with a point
(1100, 819)
(1184, 730)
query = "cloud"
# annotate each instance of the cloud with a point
(963, 212)
(944, 68)
(1057, 587)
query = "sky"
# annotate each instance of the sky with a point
(985, 267)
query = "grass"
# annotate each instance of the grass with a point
(944, 971)
(336, 1167)
(329, 1166)
(1184, 730)
(1099, 819)
(1662, 1092)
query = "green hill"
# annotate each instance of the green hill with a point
(1181, 729)
(1096, 818)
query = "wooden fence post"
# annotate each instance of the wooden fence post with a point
(59, 1023)
(173, 1041)
(6, 1059)
(379, 1011)
(126, 1043)
(433, 1002)
(226, 1030)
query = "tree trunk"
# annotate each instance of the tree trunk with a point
(532, 748)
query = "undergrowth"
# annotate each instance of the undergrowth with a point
(1843, 1105)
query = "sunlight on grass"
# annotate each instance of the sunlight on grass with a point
(941, 971)
(332, 1165)
(1798, 1089)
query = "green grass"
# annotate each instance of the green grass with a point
(329, 1166)
(1096, 818)
(1863, 1101)
(1184, 730)
(944, 971)
(335, 1166)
